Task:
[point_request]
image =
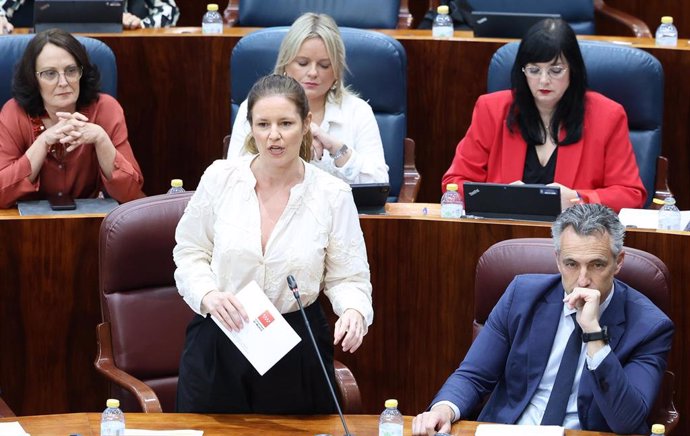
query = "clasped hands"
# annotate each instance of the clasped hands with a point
(349, 329)
(322, 142)
(72, 130)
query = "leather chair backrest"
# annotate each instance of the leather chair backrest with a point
(630, 76)
(579, 14)
(12, 48)
(364, 14)
(501, 262)
(138, 295)
(377, 72)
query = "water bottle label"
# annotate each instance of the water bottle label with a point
(211, 28)
(390, 429)
(451, 210)
(442, 32)
(112, 428)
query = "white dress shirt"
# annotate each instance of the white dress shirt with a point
(352, 122)
(317, 239)
(534, 412)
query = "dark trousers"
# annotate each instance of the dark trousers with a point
(216, 378)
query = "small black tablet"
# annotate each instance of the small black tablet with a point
(370, 198)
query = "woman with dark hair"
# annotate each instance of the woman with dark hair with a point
(549, 129)
(258, 219)
(59, 135)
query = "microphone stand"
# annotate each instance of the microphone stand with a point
(292, 283)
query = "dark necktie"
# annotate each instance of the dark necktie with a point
(558, 401)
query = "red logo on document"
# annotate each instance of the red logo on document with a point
(265, 318)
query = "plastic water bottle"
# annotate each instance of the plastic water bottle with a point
(112, 420)
(443, 24)
(669, 215)
(212, 22)
(666, 33)
(175, 186)
(451, 203)
(391, 420)
(658, 430)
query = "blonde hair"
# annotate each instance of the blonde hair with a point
(308, 26)
(289, 88)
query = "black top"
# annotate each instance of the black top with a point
(536, 174)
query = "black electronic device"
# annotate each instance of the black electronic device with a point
(61, 202)
(519, 202)
(292, 284)
(79, 16)
(370, 198)
(504, 24)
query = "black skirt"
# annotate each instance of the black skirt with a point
(216, 378)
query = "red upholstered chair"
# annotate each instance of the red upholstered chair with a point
(144, 318)
(641, 270)
(5, 410)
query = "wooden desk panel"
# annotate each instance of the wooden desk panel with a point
(422, 276)
(88, 424)
(174, 87)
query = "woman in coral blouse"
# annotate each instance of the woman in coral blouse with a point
(59, 135)
(549, 129)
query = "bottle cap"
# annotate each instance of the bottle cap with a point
(658, 429)
(212, 7)
(443, 9)
(391, 403)
(452, 187)
(667, 19)
(112, 402)
(176, 183)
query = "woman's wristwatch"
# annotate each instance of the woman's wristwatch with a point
(340, 153)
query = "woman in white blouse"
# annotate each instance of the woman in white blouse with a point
(347, 142)
(260, 218)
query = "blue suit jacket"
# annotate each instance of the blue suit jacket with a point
(510, 354)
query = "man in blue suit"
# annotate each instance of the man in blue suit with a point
(617, 360)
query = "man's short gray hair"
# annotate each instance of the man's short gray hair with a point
(588, 220)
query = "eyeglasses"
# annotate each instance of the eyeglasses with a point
(71, 74)
(554, 71)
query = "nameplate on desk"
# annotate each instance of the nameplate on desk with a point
(84, 206)
(518, 430)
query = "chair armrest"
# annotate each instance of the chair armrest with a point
(347, 388)
(411, 177)
(231, 13)
(661, 189)
(105, 364)
(5, 410)
(404, 16)
(664, 411)
(637, 26)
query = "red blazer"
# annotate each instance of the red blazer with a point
(601, 166)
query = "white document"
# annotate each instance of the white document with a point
(518, 430)
(12, 429)
(137, 432)
(267, 337)
(647, 218)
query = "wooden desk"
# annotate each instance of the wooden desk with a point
(174, 87)
(88, 424)
(422, 275)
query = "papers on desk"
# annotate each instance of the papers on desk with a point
(647, 218)
(267, 337)
(136, 432)
(12, 429)
(84, 205)
(518, 430)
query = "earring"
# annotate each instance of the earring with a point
(284, 73)
(335, 86)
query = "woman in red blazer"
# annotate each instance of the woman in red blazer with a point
(550, 130)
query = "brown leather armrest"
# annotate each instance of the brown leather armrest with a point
(636, 26)
(411, 177)
(348, 389)
(105, 364)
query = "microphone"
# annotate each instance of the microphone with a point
(292, 283)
